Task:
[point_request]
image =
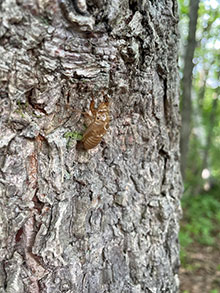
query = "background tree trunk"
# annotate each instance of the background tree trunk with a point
(187, 84)
(104, 220)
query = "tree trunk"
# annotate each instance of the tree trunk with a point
(210, 133)
(103, 220)
(187, 84)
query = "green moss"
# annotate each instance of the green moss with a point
(72, 135)
(21, 107)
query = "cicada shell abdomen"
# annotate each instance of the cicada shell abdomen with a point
(99, 125)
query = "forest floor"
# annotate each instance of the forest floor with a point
(200, 272)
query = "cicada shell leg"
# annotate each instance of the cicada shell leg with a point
(92, 106)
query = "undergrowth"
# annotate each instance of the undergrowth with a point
(200, 223)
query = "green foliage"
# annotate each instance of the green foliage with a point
(201, 220)
(201, 223)
(185, 240)
(72, 135)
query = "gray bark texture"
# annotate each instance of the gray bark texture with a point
(103, 220)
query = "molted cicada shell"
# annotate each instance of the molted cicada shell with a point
(99, 123)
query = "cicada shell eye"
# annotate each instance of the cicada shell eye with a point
(104, 117)
(101, 117)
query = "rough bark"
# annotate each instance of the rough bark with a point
(187, 84)
(105, 220)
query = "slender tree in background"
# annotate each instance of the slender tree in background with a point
(202, 125)
(210, 132)
(104, 220)
(186, 111)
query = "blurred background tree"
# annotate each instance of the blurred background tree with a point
(200, 91)
(200, 145)
(186, 110)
